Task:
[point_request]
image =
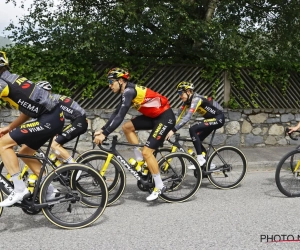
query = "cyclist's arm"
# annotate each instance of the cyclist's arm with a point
(177, 114)
(113, 115)
(292, 129)
(17, 122)
(122, 110)
(191, 110)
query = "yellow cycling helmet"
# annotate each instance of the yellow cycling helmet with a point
(3, 59)
(183, 86)
(118, 73)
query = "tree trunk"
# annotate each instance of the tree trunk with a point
(211, 7)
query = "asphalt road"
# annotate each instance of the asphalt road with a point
(241, 218)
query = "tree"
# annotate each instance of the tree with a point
(64, 43)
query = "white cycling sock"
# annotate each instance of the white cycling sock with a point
(19, 185)
(201, 159)
(70, 160)
(158, 181)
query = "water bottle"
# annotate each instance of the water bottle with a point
(58, 163)
(31, 182)
(145, 169)
(191, 152)
(54, 159)
(135, 164)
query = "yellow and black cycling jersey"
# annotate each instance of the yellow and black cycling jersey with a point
(24, 95)
(203, 105)
(71, 109)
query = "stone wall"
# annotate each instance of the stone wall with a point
(243, 128)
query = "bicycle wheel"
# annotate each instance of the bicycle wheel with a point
(229, 166)
(113, 175)
(1, 199)
(287, 176)
(67, 209)
(180, 182)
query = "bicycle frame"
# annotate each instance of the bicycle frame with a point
(114, 152)
(176, 145)
(72, 149)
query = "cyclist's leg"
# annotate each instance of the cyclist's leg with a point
(76, 128)
(138, 123)
(162, 125)
(201, 130)
(11, 163)
(41, 130)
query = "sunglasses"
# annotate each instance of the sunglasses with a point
(111, 81)
(180, 92)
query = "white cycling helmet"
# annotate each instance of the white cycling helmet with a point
(44, 85)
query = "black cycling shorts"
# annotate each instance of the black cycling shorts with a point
(77, 127)
(34, 134)
(160, 127)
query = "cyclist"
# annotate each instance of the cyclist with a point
(156, 116)
(205, 106)
(73, 112)
(32, 102)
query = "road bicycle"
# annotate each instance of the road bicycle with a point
(225, 167)
(180, 182)
(287, 174)
(70, 208)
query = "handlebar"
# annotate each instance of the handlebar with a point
(291, 134)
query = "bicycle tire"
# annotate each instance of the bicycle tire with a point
(180, 182)
(286, 178)
(66, 209)
(1, 199)
(231, 167)
(114, 176)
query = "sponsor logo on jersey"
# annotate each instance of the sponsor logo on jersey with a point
(209, 109)
(30, 125)
(66, 109)
(26, 85)
(163, 129)
(68, 131)
(157, 130)
(170, 121)
(67, 100)
(36, 129)
(28, 106)
(24, 131)
(47, 125)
